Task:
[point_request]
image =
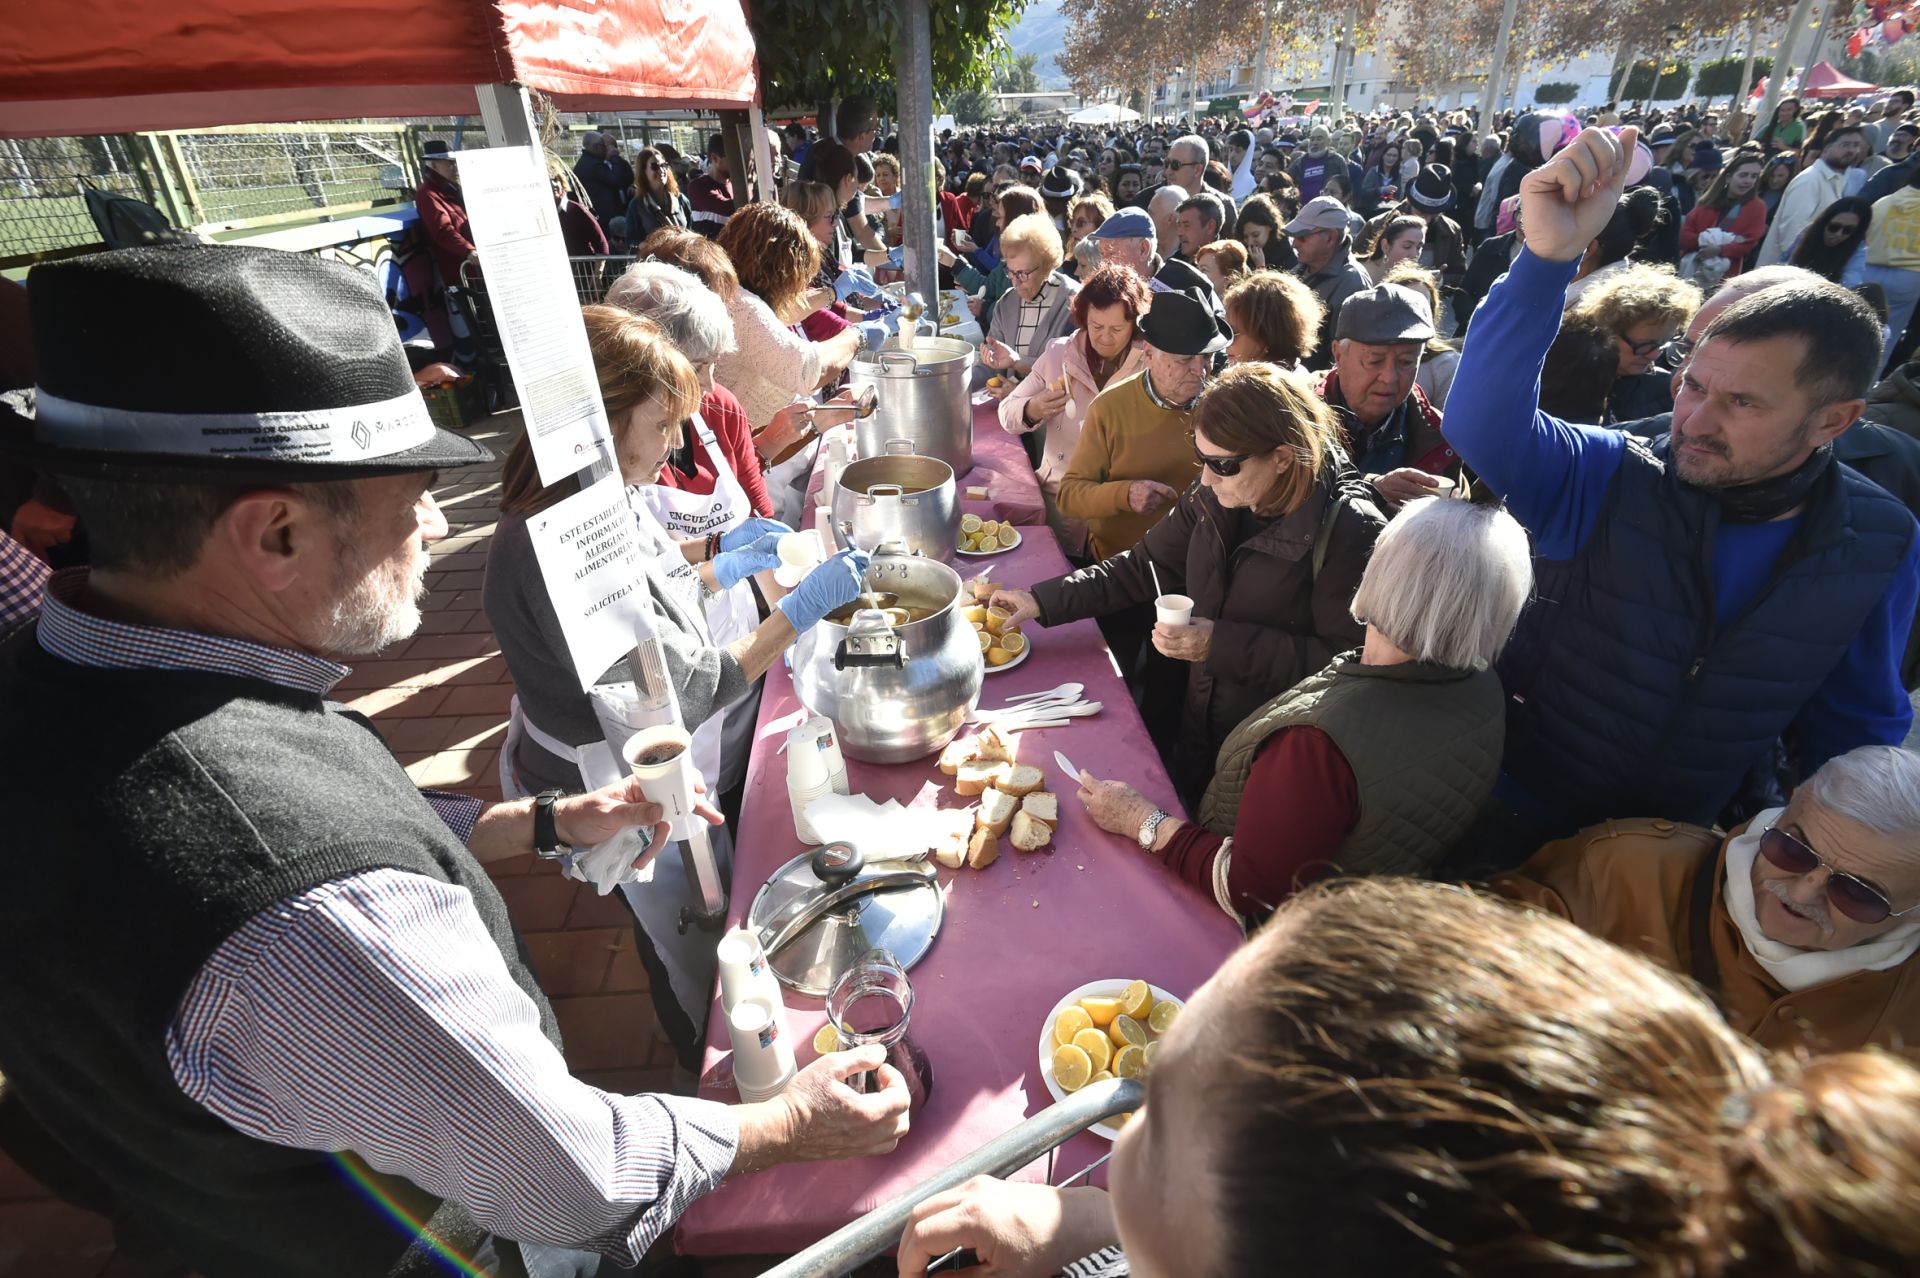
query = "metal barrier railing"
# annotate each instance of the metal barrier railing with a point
(879, 1230)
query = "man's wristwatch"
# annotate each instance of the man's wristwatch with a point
(1150, 829)
(546, 834)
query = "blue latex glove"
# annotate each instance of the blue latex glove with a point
(833, 584)
(731, 567)
(750, 531)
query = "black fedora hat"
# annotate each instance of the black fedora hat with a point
(1181, 324)
(222, 362)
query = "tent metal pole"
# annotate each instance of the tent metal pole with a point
(913, 76)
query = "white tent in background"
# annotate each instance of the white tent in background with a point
(1104, 113)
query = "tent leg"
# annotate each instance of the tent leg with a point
(913, 75)
(731, 123)
(508, 114)
(766, 160)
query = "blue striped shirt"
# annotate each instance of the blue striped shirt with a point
(374, 1014)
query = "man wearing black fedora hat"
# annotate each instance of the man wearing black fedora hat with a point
(1133, 459)
(443, 210)
(300, 1024)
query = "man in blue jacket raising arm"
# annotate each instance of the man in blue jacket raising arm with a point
(1697, 599)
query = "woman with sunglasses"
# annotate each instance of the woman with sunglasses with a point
(1269, 545)
(1803, 925)
(1834, 245)
(1644, 307)
(657, 200)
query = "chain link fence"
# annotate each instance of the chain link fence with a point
(225, 182)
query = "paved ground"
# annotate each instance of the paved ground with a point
(441, 700)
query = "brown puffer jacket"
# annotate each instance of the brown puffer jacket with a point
(1275, 620)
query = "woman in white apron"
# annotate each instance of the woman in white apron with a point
(556, 740)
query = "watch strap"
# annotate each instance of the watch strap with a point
(546, 832)
(1150, 829)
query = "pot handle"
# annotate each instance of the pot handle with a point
(905, 449)
(894, 491)
(894, 359)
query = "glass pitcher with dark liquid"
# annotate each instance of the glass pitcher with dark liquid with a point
(872, 1002)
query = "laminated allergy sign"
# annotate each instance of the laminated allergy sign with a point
(591, 557)
(523, 259)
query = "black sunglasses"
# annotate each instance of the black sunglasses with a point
(1225, 467)
(1852, 895)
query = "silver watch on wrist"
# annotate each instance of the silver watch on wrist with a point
(1150, 829)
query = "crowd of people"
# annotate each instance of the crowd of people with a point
(1536, 534)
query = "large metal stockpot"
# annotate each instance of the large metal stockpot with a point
(900, 497)
(924, 398)
(896, 692)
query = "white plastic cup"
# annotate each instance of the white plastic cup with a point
(799, 796)
(665, 779)
(823, 529)
(763, 1061)
(1173, 610)
(813, 752)
(799, 552)
(744, 972)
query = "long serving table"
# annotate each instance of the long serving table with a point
(1017, 935)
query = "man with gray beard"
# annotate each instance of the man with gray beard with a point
(295, 978)
(1801, 925)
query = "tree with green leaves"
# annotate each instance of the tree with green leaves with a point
(813, 51)
(1641, 86)
(1022, 75)
(971, 106)
(1721, 76)
(1556, 93)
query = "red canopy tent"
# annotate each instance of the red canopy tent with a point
(1822, 81)
(75, 67)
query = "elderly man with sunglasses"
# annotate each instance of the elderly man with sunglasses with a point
(1802, 926)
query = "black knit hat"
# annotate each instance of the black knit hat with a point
(226, 363)
(1432, 190)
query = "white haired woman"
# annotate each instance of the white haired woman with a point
(1039, 306)
(1379, 763)
(708, 487)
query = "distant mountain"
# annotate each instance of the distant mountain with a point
(1042, 31)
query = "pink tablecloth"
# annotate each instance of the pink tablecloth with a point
(1017, 937)
(999, 465)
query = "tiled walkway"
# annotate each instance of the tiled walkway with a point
(441, 700)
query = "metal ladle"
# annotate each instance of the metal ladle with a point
(862, 408)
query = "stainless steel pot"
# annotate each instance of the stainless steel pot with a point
(924, 398)
(899, 692)
(900, 497)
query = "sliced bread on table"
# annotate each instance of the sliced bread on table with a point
(997, 809)
(975, 776)
(995, 746)
(1030, 833)
(1023, 779)
(959, 750)
(952, 853)
(1043, 805)
(983, 850)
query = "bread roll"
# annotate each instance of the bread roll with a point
(1023, 779)
(984, 849)
(1043, 806)
(1030, 834)
(958, 751)
(997, 811)
(974, 776)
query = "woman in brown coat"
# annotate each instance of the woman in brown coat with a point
(1269, 545)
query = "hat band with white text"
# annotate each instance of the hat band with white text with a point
(360, 432)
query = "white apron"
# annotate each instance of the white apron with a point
(731, 614)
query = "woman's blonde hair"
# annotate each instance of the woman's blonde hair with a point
(773, 253)
(809, 199)
(1033, 233)
(636, 365)
(1259, 407)
(1421, 1080)
(1642, 293)
(1097, 201)
(1280, 311)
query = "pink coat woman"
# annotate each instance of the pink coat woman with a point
(1066, 378)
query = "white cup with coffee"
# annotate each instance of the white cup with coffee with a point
(1173, 610)
(661, 759)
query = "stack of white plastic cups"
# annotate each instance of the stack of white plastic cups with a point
(815, 769)
(756, 1015)
(839, 453)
